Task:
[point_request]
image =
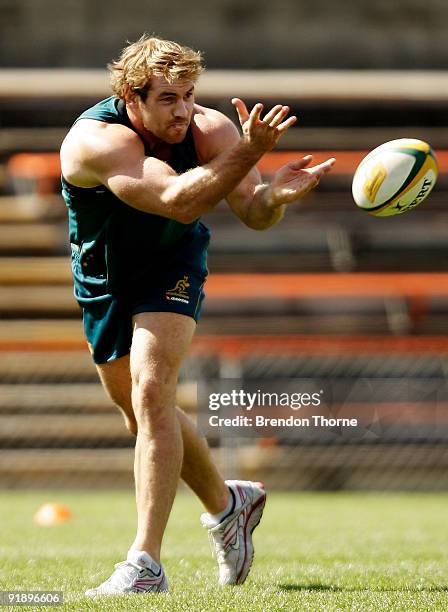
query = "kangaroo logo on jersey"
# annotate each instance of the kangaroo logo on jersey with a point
(179, 292)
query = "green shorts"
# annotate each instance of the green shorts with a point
(175, 284)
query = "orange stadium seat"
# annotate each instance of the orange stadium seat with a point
(346, 161)
(38, 173)
(43, 170)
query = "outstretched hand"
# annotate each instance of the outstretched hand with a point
(263, 134)
(293, 180)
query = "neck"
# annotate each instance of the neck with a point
(159, 148)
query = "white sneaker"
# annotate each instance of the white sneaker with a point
(232, 538)
(132, 577)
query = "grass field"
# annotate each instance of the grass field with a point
(313, 552)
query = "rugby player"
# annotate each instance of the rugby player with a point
(139, 170)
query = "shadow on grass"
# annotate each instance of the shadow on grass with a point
(329, 587)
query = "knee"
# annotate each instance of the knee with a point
(150, 391)
(153, 403)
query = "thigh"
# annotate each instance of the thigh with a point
(159, 344)
(116, 379)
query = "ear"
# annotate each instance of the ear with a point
(129, 95)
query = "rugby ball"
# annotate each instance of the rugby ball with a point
(395, 177)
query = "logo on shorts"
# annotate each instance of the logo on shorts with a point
(179, 292)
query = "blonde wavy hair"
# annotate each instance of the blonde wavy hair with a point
(148, 57)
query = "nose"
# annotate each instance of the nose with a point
(181, 110)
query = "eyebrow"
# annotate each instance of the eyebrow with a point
(173, 93)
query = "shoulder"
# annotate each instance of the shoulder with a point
(209, 119)
(91, 144)
(213, 132)
(90, 137)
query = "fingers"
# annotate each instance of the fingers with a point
(271, 114)
(286, 124)
(273, 118)
(320, 170)
(276, 115)
(299, 164)
(328, 164)
(324, 167)
(241, 109)
(295, 179)
(255, 115)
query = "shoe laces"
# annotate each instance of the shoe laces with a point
(124, 572)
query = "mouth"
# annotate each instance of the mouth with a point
(179, 125)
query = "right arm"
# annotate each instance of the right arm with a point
(114, 156)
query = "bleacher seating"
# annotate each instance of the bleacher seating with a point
(330, 292)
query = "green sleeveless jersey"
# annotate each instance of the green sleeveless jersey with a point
(114, 244)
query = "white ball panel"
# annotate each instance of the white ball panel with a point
(396, 166)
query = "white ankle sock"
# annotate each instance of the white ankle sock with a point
(217, 518)
(141, 557)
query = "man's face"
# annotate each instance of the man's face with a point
(168, 108)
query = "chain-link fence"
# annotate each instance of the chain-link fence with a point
(58, 428)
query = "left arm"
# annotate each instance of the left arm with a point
(257, 204)
(250, 200)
